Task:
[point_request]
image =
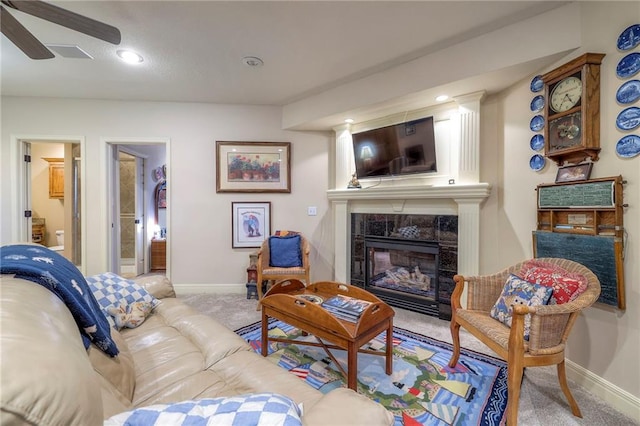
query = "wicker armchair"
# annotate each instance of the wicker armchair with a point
(550, 327)
(266, 272)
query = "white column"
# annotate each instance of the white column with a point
(469, 161)
(468, 236)
(342, 252)
(344, 162)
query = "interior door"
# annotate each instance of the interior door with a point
(140, 220)
(26, 201)
(128, 217)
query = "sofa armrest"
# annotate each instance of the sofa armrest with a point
(343, 406)
(157, 285)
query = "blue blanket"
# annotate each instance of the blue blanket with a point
(56, 273)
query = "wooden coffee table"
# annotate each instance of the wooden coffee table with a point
(282, 302)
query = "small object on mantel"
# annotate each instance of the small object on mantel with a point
(353, 183)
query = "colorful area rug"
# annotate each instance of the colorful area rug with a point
(422, 390)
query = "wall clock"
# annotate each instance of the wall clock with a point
(572, 110)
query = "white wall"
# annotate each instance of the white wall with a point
(605, 341)
(200, 228)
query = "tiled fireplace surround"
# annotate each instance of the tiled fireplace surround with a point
(421, 194)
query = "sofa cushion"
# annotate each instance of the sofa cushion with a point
(46, 375)
(519, 291)
(264, 409)
(157, 285)
(284, 252)
(111, 290)
(119, 372)
(566, 285)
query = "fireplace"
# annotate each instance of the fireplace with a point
(406, 260)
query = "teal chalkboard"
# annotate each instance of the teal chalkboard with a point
(590, 194)
(596, 252)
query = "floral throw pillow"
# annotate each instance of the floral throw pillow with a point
(518, 291)
(130, 316)
(566, 285)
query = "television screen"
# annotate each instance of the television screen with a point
(399, 149)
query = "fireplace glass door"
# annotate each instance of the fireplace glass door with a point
(404, 271)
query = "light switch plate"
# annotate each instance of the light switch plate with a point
(312, 211)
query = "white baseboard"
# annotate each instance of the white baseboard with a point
(618, 398)
(210, 288)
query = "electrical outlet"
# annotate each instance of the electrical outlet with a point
(312, 211)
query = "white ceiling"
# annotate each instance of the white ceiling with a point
(193, 49)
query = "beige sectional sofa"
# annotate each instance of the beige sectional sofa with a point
(177, 354)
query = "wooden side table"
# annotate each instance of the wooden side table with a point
(158, 255)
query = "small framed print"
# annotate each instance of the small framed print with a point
(575, 173)
(253, 166)
(250, 224)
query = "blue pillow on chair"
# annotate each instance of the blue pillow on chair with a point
(285, 251)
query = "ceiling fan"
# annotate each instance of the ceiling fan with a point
(30, 45)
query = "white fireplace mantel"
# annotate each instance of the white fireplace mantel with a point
(461, 200)
(468, 192)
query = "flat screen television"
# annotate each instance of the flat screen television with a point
(400, 149)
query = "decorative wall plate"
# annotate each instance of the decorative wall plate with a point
(537, 103)
(629, 38)
(156, 174)
(537, 142)
(628, 119)
(537, 123)
(628, 146)
(629, 65)
(537, 84)
(629, 92)
(537, 162)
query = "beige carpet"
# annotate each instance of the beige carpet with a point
(542, 403)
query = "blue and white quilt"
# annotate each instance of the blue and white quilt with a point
(54, 272)
(260, 409)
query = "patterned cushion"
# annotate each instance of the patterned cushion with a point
(566, 285)
(130, 316)
(111, 290)
(409, 231)
(518, 291)
(285, 251)
(264, 409)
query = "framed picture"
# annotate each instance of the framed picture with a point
(250, 223)
(574, 173)
(253, 166)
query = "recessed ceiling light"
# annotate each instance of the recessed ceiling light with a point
(348, 120)
(442, 98)
(129, 56)
(252, 61)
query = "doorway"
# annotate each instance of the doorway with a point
(52, 202)
(132, 213)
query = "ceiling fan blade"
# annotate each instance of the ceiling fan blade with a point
(66, 18)
(22, 38)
